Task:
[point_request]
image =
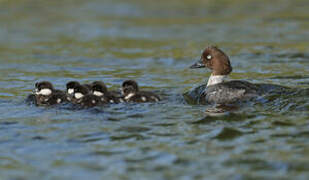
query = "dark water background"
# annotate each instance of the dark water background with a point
(153, 42)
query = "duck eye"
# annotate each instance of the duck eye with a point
(208, 57)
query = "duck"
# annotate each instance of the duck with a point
(83, 97)
(219, 90)
(70, 87)
(45, 94)
(131, 93)
(99, 89)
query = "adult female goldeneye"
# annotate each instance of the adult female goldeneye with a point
(82, 96)
(219, 91)
(45, 94)
(99, 89)
(131, 93)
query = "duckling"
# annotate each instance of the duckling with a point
(70, 88)
(83, 97)
(45, 94)
(99, 89)
(131, 93)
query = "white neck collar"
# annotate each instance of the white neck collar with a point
(215, 79)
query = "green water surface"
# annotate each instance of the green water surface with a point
(153, 42)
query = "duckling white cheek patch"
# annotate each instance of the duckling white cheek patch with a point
(78, 95)
(156, 99)
(129, 96)
(97, 93)
(144, 99)
(70, 91)
(58, 100)
(45, 92)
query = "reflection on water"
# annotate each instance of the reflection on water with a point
(153, 42)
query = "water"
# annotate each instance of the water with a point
(153, 42)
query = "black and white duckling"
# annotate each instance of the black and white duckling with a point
(99, 89)
(72, 84)
(83, 97)
(45, 94)
(70, 87)
(131, 93)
